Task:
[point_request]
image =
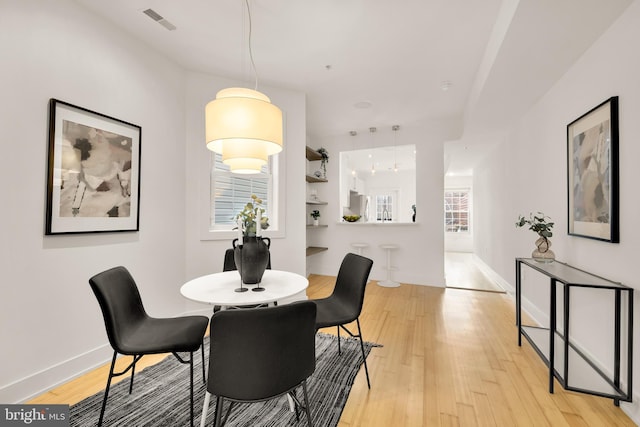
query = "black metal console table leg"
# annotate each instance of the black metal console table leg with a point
(552, 331)
(518, 302)
(565, 325)
(616, 349)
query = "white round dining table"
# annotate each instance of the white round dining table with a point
(219, 288)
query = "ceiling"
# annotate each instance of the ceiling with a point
(483, 63)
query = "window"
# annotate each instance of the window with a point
(230, 192)
(384, 207)
(456, 211)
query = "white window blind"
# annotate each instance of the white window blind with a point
(231, 192)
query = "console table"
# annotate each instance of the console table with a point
(567, 361)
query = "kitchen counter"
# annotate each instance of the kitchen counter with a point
(379, 224)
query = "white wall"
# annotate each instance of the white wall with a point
(50, 323)
(420, 257)
(460, 242)
(528, 173)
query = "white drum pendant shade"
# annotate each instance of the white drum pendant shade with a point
(245, 127)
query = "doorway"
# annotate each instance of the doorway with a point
(460, 266)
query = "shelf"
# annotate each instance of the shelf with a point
(312, 250)
(585, 375)
(313, 154)
(311, 178)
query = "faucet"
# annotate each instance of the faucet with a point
(385, 215)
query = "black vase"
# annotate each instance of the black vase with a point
(251, 258)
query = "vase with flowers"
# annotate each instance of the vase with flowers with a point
(251, 249)
(541, 225)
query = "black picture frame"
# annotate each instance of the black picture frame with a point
(592, 173)
(93, 179)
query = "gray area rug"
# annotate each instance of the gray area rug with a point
(161, 394)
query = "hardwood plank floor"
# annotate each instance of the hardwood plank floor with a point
(461, 272)
(449, 358)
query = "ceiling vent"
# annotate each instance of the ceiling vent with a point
(159, 19)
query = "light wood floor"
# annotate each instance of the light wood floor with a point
(462, 272)
(450, 358)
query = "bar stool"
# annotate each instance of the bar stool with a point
(389, 283)
(359, 247)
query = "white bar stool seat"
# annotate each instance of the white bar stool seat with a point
(359, 247)
(388, 283)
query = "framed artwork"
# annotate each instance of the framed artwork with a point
(93, 181)
(592, 157)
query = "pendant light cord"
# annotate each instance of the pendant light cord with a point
(253, 64)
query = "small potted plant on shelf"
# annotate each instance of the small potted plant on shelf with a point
(541, 225)
(315, 214)
(324, 160)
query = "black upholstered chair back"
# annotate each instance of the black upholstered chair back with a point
(229, 262)
(121, 305)
(351, 283)
(261, 353)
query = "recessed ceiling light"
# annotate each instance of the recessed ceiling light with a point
(363, 104)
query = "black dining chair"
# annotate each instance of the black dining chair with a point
(258, 354)
(229, 261)
(344, 305)
(131, 331)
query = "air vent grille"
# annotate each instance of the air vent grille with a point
(153, 14)
(159, 19)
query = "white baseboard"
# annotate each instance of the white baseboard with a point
(632, 409)
(492, 275)
(40, 382)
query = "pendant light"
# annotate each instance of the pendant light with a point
(353, 169)
(395, 129)
(243, 125)
(373, 168)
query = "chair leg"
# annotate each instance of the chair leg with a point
(191, 385)
(293, 403)
(339, 351)
(133, 373)
(204, 375)
(226, 417)
(364, 357)
(218, 418)
(306, 402)
(205, 409)
(106, 390)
